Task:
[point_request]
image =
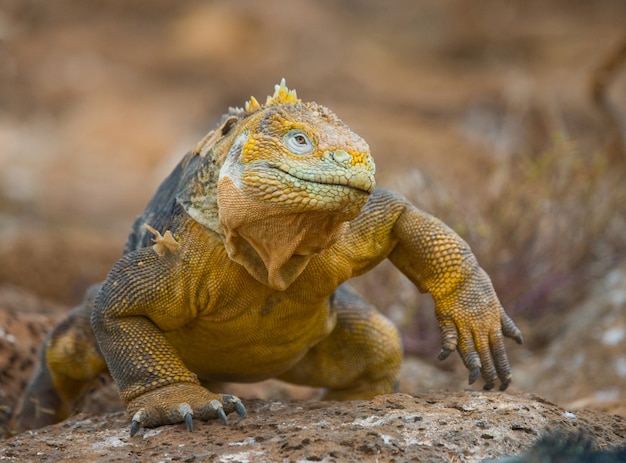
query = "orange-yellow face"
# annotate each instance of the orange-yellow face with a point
(302, 156)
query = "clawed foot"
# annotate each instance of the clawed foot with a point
(481, 347)
(180, 402)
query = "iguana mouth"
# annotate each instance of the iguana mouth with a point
(360, 181)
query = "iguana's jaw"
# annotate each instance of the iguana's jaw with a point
(292, 191)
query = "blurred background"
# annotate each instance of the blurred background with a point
(505, 118)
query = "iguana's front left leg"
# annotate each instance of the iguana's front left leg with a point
(143, 297)
(471, 318)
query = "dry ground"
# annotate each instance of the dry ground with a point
(429, 427)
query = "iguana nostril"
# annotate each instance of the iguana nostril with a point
(341, 156)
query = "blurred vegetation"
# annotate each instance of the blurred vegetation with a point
(556, 221)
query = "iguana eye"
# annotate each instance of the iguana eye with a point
(298, 142)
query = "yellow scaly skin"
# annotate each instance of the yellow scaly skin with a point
(236, 271)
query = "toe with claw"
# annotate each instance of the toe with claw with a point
(181, 402)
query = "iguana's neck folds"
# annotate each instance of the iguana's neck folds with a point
(275, 242)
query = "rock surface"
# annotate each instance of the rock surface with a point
(431, 427)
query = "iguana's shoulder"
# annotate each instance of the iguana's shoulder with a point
(162, 210)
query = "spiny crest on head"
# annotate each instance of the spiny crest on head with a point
(282, 95)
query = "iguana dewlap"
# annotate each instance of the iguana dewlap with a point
(235, 272)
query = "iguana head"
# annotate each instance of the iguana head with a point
(291, 175)
(299, 157)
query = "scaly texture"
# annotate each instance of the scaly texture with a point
(236, 271)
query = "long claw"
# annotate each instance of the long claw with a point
(444, 353)
(134, 427)
(136, 423)
(222, 415)
(186, 412)
(474, 374)
(505, 384)
(219, 409)
(239, 407)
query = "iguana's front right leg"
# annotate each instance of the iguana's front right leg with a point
(144, 296)
(436, 259)
(471, 318)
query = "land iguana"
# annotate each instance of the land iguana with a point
(236, 272)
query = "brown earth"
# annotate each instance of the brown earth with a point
(429, 427)
(99, 99)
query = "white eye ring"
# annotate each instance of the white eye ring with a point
(298, 142)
